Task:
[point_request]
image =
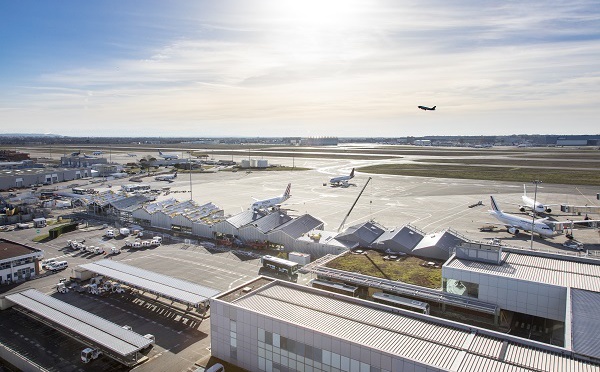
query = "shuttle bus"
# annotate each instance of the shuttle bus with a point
(335, 287)
(280, 266)
(401, 302)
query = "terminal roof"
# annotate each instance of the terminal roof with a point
(434, 342)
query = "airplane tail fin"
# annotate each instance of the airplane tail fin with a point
(175, 175)
(524, 190)
(352, 173)
(286, 194)
(495, 207)
(433, 108)
(160, 152)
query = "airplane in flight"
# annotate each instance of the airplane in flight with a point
(267, 203)
(516, 223)
(425, 108)
(168, 156)
(533, 205)
(168, 177)
(342, 180)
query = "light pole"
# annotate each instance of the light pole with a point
(535, 182)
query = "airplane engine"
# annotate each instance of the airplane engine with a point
(513, 230)
(548, 210)
(522, 209)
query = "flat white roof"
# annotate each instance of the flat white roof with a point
(554, 271)
(166, 286)
(434, 342)
(107, 334)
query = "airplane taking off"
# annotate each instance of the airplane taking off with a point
(168, 156)
(342, 180)
(533, 205)
(514, 223)
(168, 177)
(425, 108)
(267, 203)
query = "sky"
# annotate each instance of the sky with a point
(271, 68)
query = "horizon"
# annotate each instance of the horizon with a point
(309, 69)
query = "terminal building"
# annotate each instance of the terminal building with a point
(270, 325)
(27, 177)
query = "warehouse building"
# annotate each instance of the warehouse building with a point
(27, 177)
(270, 325)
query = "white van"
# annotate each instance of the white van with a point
(58, 265)
(48, 262)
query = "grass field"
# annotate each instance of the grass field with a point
(407, 270)
(509, 174)
(519, 162)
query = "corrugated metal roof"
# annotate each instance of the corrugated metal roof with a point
(300, 226)
(434, 342)
(364, 233)
(245, 217)
(559, 272)
(585, 328)
(271, 221)
(167, 286)
(105, 333)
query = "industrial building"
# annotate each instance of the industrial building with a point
(18, 262)
(81, 161)
(27, 177)
(270, 325)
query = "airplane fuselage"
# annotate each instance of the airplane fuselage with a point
(425, 108)
(268, 203)
(520, 223)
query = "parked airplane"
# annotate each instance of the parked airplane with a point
(533, 205)
(76, 153)
(131, 155)
(167, 177)
(425, 108)
(342, 180)
(168, 156)
(97, 153)
(515, 223)
(267, 203)
(88, 157)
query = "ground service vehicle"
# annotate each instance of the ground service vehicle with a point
(217, 367)
(48, 262)
(89, 354)
(58, 265)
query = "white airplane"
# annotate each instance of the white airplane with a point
(515, 223)
(167, 177)
(267, 203)
(168, 156)
(131, 155)
(533, 205)
(342, 180)
(97, 153)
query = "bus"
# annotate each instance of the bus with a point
(281, 266)
(335, 287)
(401, 302)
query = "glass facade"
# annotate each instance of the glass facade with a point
(280, 354)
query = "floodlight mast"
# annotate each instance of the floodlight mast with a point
(535, 182)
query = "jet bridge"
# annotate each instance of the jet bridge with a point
(116, 342)
(177, 290)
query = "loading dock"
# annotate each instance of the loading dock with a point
(177, 290)
(122, 345)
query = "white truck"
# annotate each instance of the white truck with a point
(89, 354)
(124, 231)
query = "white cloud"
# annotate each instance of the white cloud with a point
(264, 74)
